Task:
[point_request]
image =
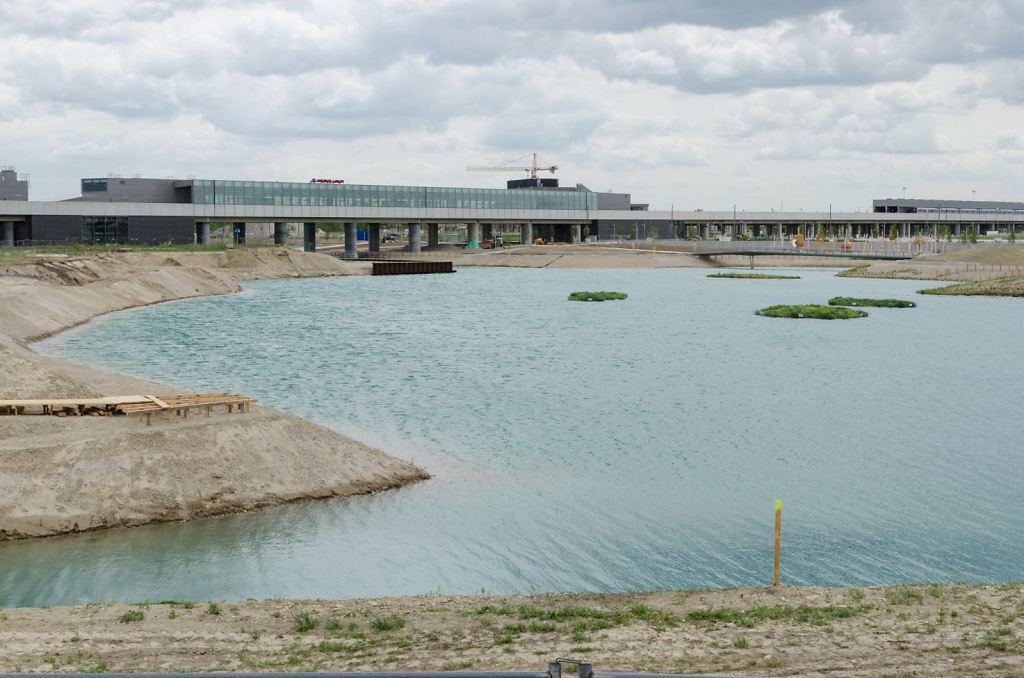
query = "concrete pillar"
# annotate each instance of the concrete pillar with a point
(414, 237)
(526, 233)
(280, 233)
(578, 236)
(472, 236)
(351, 245)
(203, 233)
(374, 236)
(238, 233)
(7, 237)
(432, 235)
(309, 237)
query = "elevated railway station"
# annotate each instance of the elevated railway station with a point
(139, 210)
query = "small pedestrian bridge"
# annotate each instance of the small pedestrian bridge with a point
(882, 250)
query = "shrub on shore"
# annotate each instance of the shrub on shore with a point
(881, 303)
(759, 276)
(596, 296)
(818, 311)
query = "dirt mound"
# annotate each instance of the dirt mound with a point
(998, 255)
(69, 474)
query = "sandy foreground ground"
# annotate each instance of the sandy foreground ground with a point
(70, 474)
(929, 630)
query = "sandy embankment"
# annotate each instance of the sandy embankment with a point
(61, 475)
(926, 630)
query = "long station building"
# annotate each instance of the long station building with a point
(145, 211)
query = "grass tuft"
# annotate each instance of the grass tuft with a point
(387, 623)
(132, 616)
(304, 622)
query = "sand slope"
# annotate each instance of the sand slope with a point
(62, 475)
(930, 630)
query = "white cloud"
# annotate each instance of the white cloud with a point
(678, 101)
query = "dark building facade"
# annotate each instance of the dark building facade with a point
(12, 187)
(92, 226)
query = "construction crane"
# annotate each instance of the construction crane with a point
(532, 169)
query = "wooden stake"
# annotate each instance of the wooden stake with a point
(778, 541)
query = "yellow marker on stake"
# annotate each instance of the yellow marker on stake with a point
(778, 540)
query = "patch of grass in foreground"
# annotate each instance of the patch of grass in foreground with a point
(392, 623)
(596, 296)
(801, 614)
(132, 616)
(880, 303)
(759, 276)
(818, 311)
(304, 621)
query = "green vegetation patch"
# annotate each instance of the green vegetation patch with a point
(391, 623)
(801, 614)
(132, 616)
(1001, 287)
(758, 276)
(881, 303)
(819, 311)
(304, 621)
(853, 272)
(596, 296)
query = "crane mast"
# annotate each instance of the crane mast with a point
(532, 169)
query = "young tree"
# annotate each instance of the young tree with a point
(893, 232)
(972, 236)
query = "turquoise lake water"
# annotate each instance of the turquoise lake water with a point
(601, 447)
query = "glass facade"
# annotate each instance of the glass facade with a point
(94, 185)
(104, 230)
(217, 192)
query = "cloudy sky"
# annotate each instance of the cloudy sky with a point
(683, 103)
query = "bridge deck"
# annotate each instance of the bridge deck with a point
(795, 253)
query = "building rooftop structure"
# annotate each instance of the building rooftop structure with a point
(12, 186)
(917, 205)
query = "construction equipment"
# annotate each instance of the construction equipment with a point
(532, 169)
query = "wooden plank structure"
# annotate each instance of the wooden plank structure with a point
(411, 267)
(145, 406)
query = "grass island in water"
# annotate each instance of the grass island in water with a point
(759, 276)
(596, 296)
(881, 303)
(819, 311)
